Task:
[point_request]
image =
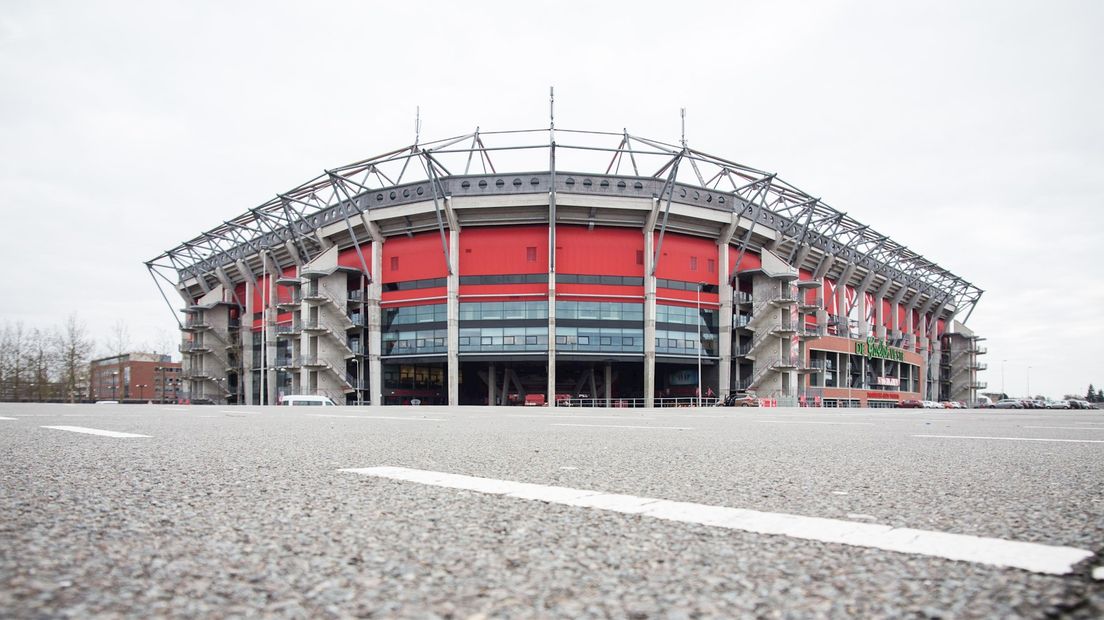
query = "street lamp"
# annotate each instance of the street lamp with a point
(699, 347)
(357, 362)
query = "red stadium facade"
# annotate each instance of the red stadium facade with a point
(623, 272)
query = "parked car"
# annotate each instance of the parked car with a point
(911, 403)
(1058, 404)
(735, 400)
(931, 404)
(308, 400)
(1009, 403)
(1080, 404)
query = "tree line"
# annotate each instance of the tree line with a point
(44, 364)
(1094, 397)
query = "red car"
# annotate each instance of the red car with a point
(910, 403)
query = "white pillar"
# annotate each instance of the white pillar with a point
(375, 324)
(724, 323)
(453, 370)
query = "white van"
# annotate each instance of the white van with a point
(301, 400)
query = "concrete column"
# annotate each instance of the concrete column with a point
(270, 331)
(608, 382)
(649, 318)
(453, 370)
(375, 324)
(860, 303)
(724, 322)
(247, 343)
(491, 379)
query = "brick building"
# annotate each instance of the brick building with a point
(135, 376)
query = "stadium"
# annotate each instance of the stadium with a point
(562, 267)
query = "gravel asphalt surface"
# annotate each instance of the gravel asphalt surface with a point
(244, 512)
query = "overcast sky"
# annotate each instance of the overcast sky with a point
(971, 131)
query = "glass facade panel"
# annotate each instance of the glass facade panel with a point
(503, 339)
(599, 339)
(497, 310)
(410, 315)
(415, 342)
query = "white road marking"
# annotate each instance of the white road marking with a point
(1098, 573)
(861, 517)
(577, 417)
(3, 418)
(376, 417)
(812, 422)
(689, 415)
(239, 411)
(667, 428)
(840, 493)
(1012, 438)
(1035, 557)
(1070, 428)
(569, 468)
(94, 431)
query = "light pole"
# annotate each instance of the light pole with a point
(357, 362)
(699, 347)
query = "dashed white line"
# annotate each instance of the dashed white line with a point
(94, 431)
(1035, 557)
(575, 417)
(375, 417)
(1012, 438)
(3, 418)
(812, 422)
(1070, 428)
(666, 428)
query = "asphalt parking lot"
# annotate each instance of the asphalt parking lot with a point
(133, 511)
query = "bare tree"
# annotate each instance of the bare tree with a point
(73, 347)
(119, 338)
(119, 342)
(38, 365)
(12, 349)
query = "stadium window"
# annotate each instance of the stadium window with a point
(486, 340)
(626, 341)
(507, 340)
(561, 339)
(693, 263)
(531, 254)
(464, 341)
(394, 263)
(672, 343)
(584, 340)
(607, 340)
(530, 340)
